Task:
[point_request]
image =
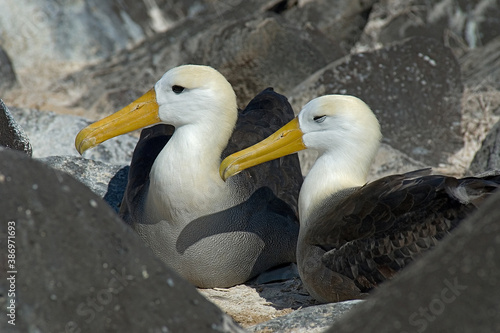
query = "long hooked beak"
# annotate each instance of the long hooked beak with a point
(285, 141)
(138, 114)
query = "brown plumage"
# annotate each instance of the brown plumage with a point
(383, 226)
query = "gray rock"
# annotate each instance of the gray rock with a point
(453, 288)
(11, 135)
(481, 66)
(342, 21)
(79, 268)
(413, 87)
(250, 54)
(459, 24)
(52, 134)
(7, 74)
(488, 156)
(311, 319)
(108, 86)
(247, 44)
(108, 181)
(44, 32)
(390, 161)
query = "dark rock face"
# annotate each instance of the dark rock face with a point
(250, 54)
(454, 22)
(108, 181)
(488, 157)
(481, 66)
(80, 268)
(453, 288)
(413, 87)
(11, 135)
(342, 21)
(7, 74)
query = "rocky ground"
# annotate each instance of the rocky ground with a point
(430, 70)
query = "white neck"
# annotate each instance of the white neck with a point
(332, 172)
(185, 175)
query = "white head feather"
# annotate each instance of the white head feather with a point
(201, 104)
(346, 134)
(207, 99)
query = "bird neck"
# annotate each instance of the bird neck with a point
(330, 174)
(185, 175)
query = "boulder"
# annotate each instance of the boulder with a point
(79, 268)
(342, 21)
(413, 87)
(52, 134)
(264, 52)
(11, 135)
(108, 181)
(312, 319)
(7, 73)
(249, 53)
(43, 32)
(452, 288)
(488, 156)
(481, 66)
(459, 24)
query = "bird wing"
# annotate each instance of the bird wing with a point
(383, 226)
(150, 144)
(266, 113)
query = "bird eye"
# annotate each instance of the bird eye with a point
(177, 89)
(319, 119)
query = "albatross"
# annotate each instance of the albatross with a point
(355, 235)
(213, 233)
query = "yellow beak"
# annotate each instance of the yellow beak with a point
(285, 141)
(138, 114)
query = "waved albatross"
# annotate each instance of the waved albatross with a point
(214, 233)
(354, 235)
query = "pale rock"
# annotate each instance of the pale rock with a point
(52, 134)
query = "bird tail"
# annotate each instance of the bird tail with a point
(473, 190)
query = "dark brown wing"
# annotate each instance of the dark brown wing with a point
(385, 225)
(150, 144)
(265, 114)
